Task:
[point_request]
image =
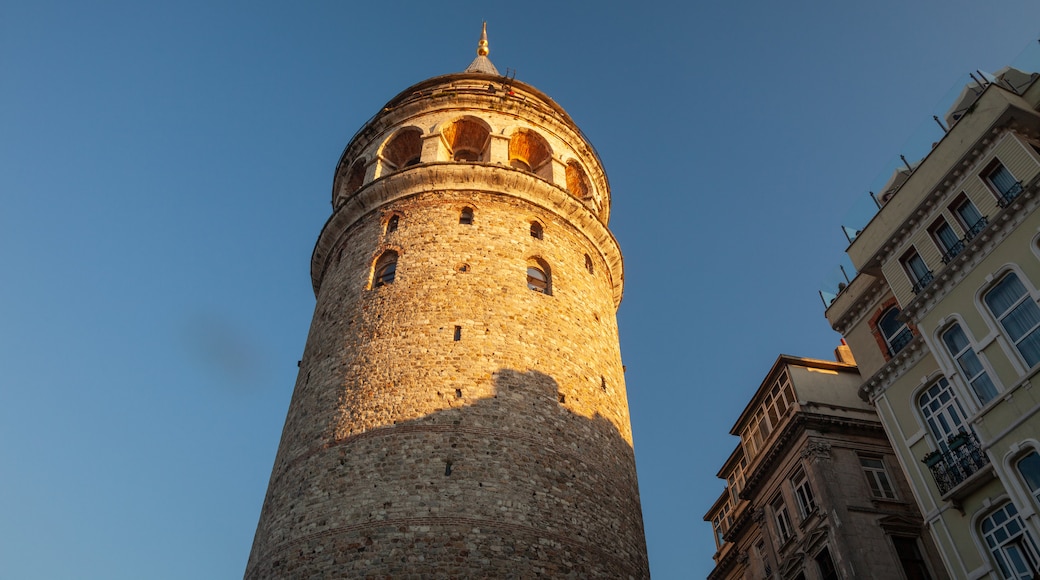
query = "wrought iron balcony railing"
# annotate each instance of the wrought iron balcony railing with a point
(899, 341)
(923, 282)
(976, 228)
(1009, 196)
(954, 250)
(951, 468)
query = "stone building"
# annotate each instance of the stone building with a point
(813, 490)
(944, 320)
(460, 409)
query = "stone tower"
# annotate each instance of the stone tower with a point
(460, 410)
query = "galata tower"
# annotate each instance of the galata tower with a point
(460, 409)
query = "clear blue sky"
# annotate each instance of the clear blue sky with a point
(165, 169)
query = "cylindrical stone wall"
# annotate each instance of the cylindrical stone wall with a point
(455, 423)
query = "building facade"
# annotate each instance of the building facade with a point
(943, 319)
(460, 409)
(813, 489)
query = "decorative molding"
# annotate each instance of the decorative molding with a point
(893, 370)
(816, 450)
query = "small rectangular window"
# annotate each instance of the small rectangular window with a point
(783, 521)
(877, 477)
(971, 219)
(947, 240)
(918, 271)
(803, 493)
(1002, 182)
(458, 333)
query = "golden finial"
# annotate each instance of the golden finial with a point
(482, 47)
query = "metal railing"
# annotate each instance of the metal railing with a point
(899, 341)
(951, 468)
(956, 249)
(1010, 195)
(923, 282)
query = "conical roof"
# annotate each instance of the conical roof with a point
(482, 64)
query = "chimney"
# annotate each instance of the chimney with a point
(843, 353)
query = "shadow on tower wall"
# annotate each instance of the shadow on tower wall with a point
(511, 486)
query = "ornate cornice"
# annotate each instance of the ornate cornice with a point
(768, 459)
(895, 368)
(862, 304)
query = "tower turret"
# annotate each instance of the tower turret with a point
(460, 409)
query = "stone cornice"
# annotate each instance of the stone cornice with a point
(895, 368)
(862, 305)
(767, 460)
(463, 177)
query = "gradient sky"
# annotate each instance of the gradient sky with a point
(165, 169)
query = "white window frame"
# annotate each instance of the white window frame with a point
(1010, 346)
(955, 361)
(944, 415)
(782, 519)
(1015, 540)
(877, 477)
(803, 494)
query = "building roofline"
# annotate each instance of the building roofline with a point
(782, 361)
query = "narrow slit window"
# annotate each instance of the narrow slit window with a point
(385, 270)
(539, 278)
(458, 333)
(536, 230)
(466, 216)
(588, 264)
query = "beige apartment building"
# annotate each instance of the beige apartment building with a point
(813, 489)
(944, 322)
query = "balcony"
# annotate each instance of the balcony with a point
(923, 282)
(953, 467)
(977, 227)
(1006, 197)
(899, 341)
(956, 249)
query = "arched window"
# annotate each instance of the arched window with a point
(1018, 315)
(1029, 469)
(942, 412)
(1010, 543)
(971, 367)
(467, 138)
(404, 149)
(588, 264)
(577, 181)
(529, 151)
(391, 224)
(466, 216)
(536, 230)
(539, 277)
(355, 177)
(385, 269)
(895, 332)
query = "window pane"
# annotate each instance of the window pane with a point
(1004, 295)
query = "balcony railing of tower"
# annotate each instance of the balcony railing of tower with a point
(958, 100)
(951, 468)
(503, 88)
